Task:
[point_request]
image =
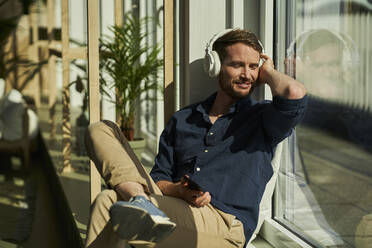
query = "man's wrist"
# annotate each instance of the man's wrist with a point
(169, 188)
(268, 76)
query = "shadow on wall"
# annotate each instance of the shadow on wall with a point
(201, 85)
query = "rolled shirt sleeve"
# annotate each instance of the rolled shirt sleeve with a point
(163, 168)
(281, 116)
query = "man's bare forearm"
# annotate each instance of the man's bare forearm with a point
(280, 83)
(169, 188)
(285, 86)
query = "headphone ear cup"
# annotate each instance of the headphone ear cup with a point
(214, 70)
(208, 63)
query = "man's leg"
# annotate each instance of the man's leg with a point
(122, 171)
(116, 161)
(100, 232)
(199, 227)
(196, 227)
(130, 189)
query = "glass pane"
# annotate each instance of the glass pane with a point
(325, 185)
(64, 116)
(78, 24)
(150, 101)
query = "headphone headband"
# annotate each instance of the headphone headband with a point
(209, 46)
(212, 63)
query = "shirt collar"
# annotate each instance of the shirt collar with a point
(207, 104)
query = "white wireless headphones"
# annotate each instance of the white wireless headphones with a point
(212, 63)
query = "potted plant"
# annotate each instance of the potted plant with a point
(131, 65)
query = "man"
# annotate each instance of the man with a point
(213, 162)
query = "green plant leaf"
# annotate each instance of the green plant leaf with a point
(130, 62)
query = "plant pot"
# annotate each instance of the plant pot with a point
(138, 146)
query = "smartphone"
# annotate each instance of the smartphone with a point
(191, 184)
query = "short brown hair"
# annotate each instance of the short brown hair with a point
(236, 36)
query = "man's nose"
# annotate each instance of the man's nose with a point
(246, 73)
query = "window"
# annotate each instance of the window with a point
(150, 103)
(324, 191)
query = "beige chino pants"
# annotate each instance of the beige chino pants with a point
(116, 162)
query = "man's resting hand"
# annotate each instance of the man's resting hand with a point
(180, 190)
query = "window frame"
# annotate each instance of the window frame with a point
(269, 32)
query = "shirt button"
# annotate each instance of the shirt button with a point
(206, 150)
(197, 169)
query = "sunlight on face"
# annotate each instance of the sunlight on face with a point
(239, 70)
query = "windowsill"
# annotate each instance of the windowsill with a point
(259, 242)
(276, 235)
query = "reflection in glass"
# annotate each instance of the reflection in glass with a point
(324, 60)
(325, 185)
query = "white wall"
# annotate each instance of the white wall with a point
(201, 21)
(198, 21)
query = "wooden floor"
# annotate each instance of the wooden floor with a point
(27, 213)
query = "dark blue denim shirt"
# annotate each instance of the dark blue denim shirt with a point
(231, 159)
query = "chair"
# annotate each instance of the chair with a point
(22, 146)
(18, 126)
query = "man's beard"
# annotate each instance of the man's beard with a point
(236, 95)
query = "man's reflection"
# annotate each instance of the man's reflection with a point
(327, 62)
(323, 61)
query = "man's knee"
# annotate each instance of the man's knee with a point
(105, 200)
(97, 130)
(93, 131)
(100, 127)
